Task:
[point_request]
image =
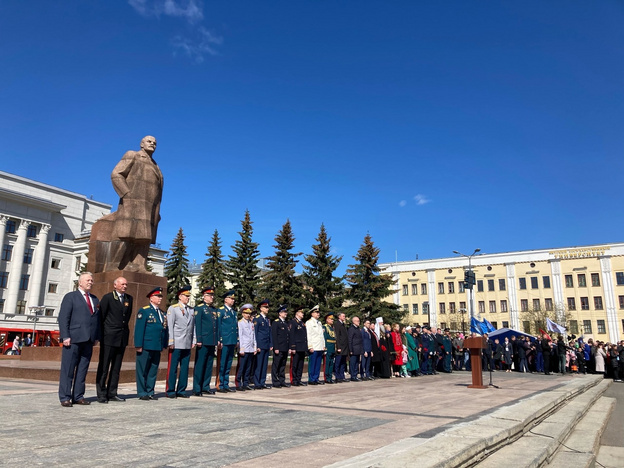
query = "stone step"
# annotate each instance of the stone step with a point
(468, 444)
(537, 446)
(582, 445)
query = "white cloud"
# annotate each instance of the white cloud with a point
(421, 199)
(196, 48)
(191, 10)
(402, 203)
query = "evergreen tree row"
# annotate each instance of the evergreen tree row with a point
(360, 292)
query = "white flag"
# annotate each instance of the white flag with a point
(554, 327)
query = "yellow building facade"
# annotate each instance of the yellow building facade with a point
(579, 287)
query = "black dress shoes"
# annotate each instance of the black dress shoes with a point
(248, 387)
(182, 395)
(145, 398)
(152, 397)
(319, 382)
(66, 404)
(209, 392)
(102, 400)
(197, 393)
(82, 401)
(231, 390)
(222, 390)
(117, 399)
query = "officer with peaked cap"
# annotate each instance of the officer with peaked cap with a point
(228, 338)
(281, 348)
(330, 344)
(181, 323)
(298, 347)
(247, 348)
(207, 333)
(150, 338)
(264, 341)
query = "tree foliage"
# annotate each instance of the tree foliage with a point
(536, 319)
(280, 284)
(322, 286)
(368, 288)
(176, 268)
(213, 269)
(243, 270)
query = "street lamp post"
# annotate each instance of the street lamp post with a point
(469, 257)
(36, 312)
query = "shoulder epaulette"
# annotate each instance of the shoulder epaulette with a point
(146, 307)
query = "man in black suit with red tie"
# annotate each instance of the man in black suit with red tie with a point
(115, 311)
(79, 327)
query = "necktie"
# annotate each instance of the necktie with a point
(89, 302)
(121, 298)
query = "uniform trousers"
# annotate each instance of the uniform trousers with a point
(227, 354)
(341, 366)
(147, 371)
(298, 360)
(314, 366)
(75, 361)
(330, 359)
(262, 363)
(278, 369)
(243, 374)
(181, 357)
(202, 372)
(109, 366)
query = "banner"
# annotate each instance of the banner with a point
(554, 327)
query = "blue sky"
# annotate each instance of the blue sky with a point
(433, 126)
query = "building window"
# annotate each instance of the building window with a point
(425, 308)
(501, 285)
(4, 277)
(482, 307)
(522, 282)
(406, 307)
(461, 286)
(480, 285)
(452, 309)
(505, 324)
(415, 309)
(503, 305)
(52, 288)
(526, 326)
(490, 285)
(587, 328)
(56, 264)
(440, 288)
(571, 303)
(442, 308)
(621, 300)
(21, 307)
(492, 307)
(581, 280)
(58, 237)
(10, 227)
(423, 288)
(7, 252)
(574, 327)
(601, 327)
(598, 302)
(49, 312)
(494, 324)
(454, 326)
(31, 231)
(443, 325)
(524, 305)
(414, 289)
(584, 303)
(405, 290)
(1, 305)
(451, 287)
(546, 281)
(595, 279)
(548, 304)
(462, 306)
(28, 255)
(24, 282)
(536, 304)
(619, 277)
(534, 284)
(569, 282)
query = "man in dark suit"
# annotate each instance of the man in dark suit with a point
(281, 347)
(342, 348)
(264, 340)
(115, 311)
(79, 327)
(298, 347)
(356, 348)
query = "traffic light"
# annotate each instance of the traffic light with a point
(469, 279)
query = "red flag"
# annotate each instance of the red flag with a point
(544, 333)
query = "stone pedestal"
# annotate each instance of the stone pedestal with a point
(139, 284)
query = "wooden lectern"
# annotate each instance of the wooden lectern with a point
(475, 345)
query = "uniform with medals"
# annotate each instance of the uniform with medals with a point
(281, 348)
(298, 346)
(181, 323)
(330, 344)
(207, 335)
(264, 341)
(228, 331)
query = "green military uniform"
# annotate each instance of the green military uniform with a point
(207, 333)
(150, 334)
(330, 356)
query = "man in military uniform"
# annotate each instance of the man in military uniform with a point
(447, 351)
(150, 338)
(247, 349)
(264, 341)
(181, 323)
(330, 344)
(281, 348)
(228, 331)
(316, 346)
(115, 312)
(298, 347)
(342, 348)
(207, 333)
(428, 346)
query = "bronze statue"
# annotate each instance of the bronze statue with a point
(121, 240)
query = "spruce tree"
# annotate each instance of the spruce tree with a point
(280, 285)
(176, 268)
(243, 270)
(213, 270)
(369, 288)
(325, 289)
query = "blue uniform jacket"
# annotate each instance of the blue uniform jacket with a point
(207, 325)
(264, 337)
(228, 326)
(150, 329)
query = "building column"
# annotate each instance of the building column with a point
(514, 307)
(15, 272)
(609, 296)
(3, 221)
(34, 299)
(557, 285)
(433, 306)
